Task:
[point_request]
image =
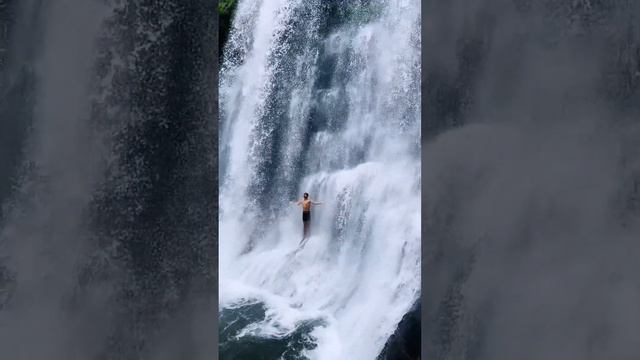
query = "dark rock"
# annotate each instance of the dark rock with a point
(404, 344)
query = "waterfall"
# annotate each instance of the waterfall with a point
(319, 97)
(106, 237)
(43, 224)
(532, 190)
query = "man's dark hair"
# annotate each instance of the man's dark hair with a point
(306, 195)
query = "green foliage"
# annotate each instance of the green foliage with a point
(226, 7)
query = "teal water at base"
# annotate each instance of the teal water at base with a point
(237, 346)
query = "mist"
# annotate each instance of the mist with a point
(530, 180)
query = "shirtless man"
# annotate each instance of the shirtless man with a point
(306, 213)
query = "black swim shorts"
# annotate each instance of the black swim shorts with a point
(306, 215)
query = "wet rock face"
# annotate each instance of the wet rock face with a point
(6, 20)
(404, 344)
(16, 97)
(490, 50)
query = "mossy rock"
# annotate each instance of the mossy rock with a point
(226, 7)
(226, 10)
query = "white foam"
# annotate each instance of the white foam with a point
(360, 269)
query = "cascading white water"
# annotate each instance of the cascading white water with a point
(360, 270)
